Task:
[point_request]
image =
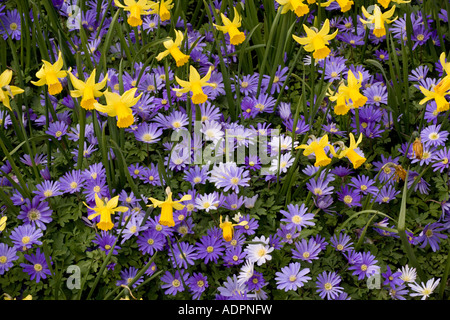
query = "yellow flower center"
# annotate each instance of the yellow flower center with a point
(3, 259)
(292, 278)
(364, 267)
(306, 255)
(328, 286)
(38, 267)
(48, 193)
(147, 137)
(73, 185)
(340, 247)
(363, 187)
(13, 26)
(97, 189)
(25, 239)
(200, 283)
(244, 84)
(348, 199)
(206, 205)
(107, 247)
(150, 241)
(296, 219)
(210, 249)
(261, 252)
(234, 180)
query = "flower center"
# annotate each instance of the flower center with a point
(348, 199)
(296, 219)
(107, 247)
(292, 278)
(147, 137)
(340, 247)
(363, 187)
(97, 189)
(73, 185)
(328, 286)
(234, 180)
(306, 255)
(25, 239)
(261, 252)
(38, 267)
(48, 193)
(13, 26)
(3, 259)
(200, 283)
(210, 249)
(150, 241)
(206, 205)
(176, 283)
(433, 136)
(363, 267)
(34, 214)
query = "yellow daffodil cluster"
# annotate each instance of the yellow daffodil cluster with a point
(319, 146)
(139, 8)
(440, 90)
(349, 96)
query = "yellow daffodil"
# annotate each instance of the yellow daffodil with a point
(438, 93)
(49, 74)
(7, 91)
(231, 27)
(440, 90)
(167, 206)
(348, 96)
(355, 158)
(120, 106)
(105, 210)
(228, 228)
(317, 41)
(162, 9)
(195, 85)
(88, 90)
(344, 4)
(385, 3)
(136, 9)
(296, 6)
(378, 19)
(318, 148)
(173, 48)
(3, 223)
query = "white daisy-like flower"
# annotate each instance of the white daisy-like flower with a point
(246, 272)
(424, 290)
(206, 202)
(285, 161)
(408, 274)
(283, 143)
(259, 252)
(212, 131)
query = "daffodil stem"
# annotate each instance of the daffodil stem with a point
(107, 259)
(82, 121)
